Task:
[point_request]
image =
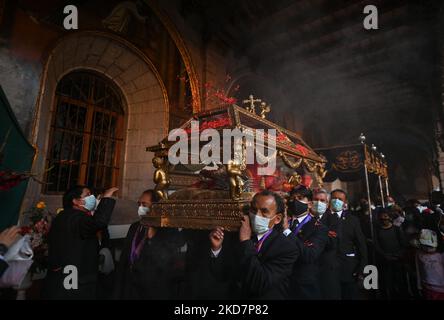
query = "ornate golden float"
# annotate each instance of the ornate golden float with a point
(198, 197)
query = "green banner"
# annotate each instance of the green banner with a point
(16, 157)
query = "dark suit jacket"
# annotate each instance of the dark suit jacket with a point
(349, 240)
(265, 275)
(209, 277)
(153, 274)
(72, 240)
(312, 239)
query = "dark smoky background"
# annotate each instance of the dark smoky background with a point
(330, 79)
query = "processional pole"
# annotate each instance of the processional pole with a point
(382, 191)
(379, 179)
(386, 176)
(362, 139)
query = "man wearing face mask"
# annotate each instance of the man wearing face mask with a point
(266, 254)
(72, 241)
(310, 235)
(262, 264)
(320, 203)
(148, 263)
(389, 202)
(346, 255)
(390, 245)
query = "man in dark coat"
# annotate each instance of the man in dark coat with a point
(311, 236)
(345, 257)
(264, 257)
(72, 241)
(211, 274)
(149, 263)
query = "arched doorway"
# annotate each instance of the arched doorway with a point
(143, 114)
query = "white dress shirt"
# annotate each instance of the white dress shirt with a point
(216, 253)
(339, 213)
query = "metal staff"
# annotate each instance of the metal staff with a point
(382, 192)
(385, 175)
(362, 139)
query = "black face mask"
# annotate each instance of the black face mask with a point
(296, 207)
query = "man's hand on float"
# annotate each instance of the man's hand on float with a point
(109, 193)
(216, 238)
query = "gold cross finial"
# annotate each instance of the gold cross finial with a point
(264, 109)
(251, 101)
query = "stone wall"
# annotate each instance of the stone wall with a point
(146, 106)
(20, 82)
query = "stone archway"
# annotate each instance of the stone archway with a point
(146, 104)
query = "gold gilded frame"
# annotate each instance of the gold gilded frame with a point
(197, 214)
(208, 213)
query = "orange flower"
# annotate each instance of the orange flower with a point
(41, 205)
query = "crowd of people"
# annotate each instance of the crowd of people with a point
(306, 245)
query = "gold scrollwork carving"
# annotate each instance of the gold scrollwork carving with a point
(292, 164)
(295, 179)
(310, 165)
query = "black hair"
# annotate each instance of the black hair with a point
(303, 191)
(71, 194)
(280, 204)
(384, 211)
(341, 191)
(154, 196)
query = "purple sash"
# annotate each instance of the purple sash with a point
(300, 225)
(137, 243)
(260, 242)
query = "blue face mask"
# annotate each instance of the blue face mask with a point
(90, 202)
(336, 205)
(319, 207)
(259, 225)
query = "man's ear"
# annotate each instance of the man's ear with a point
(278, 218)
(78, 202)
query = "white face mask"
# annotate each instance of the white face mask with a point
(319, 207)
(90, 203)
(142, 211)
(259, 225)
